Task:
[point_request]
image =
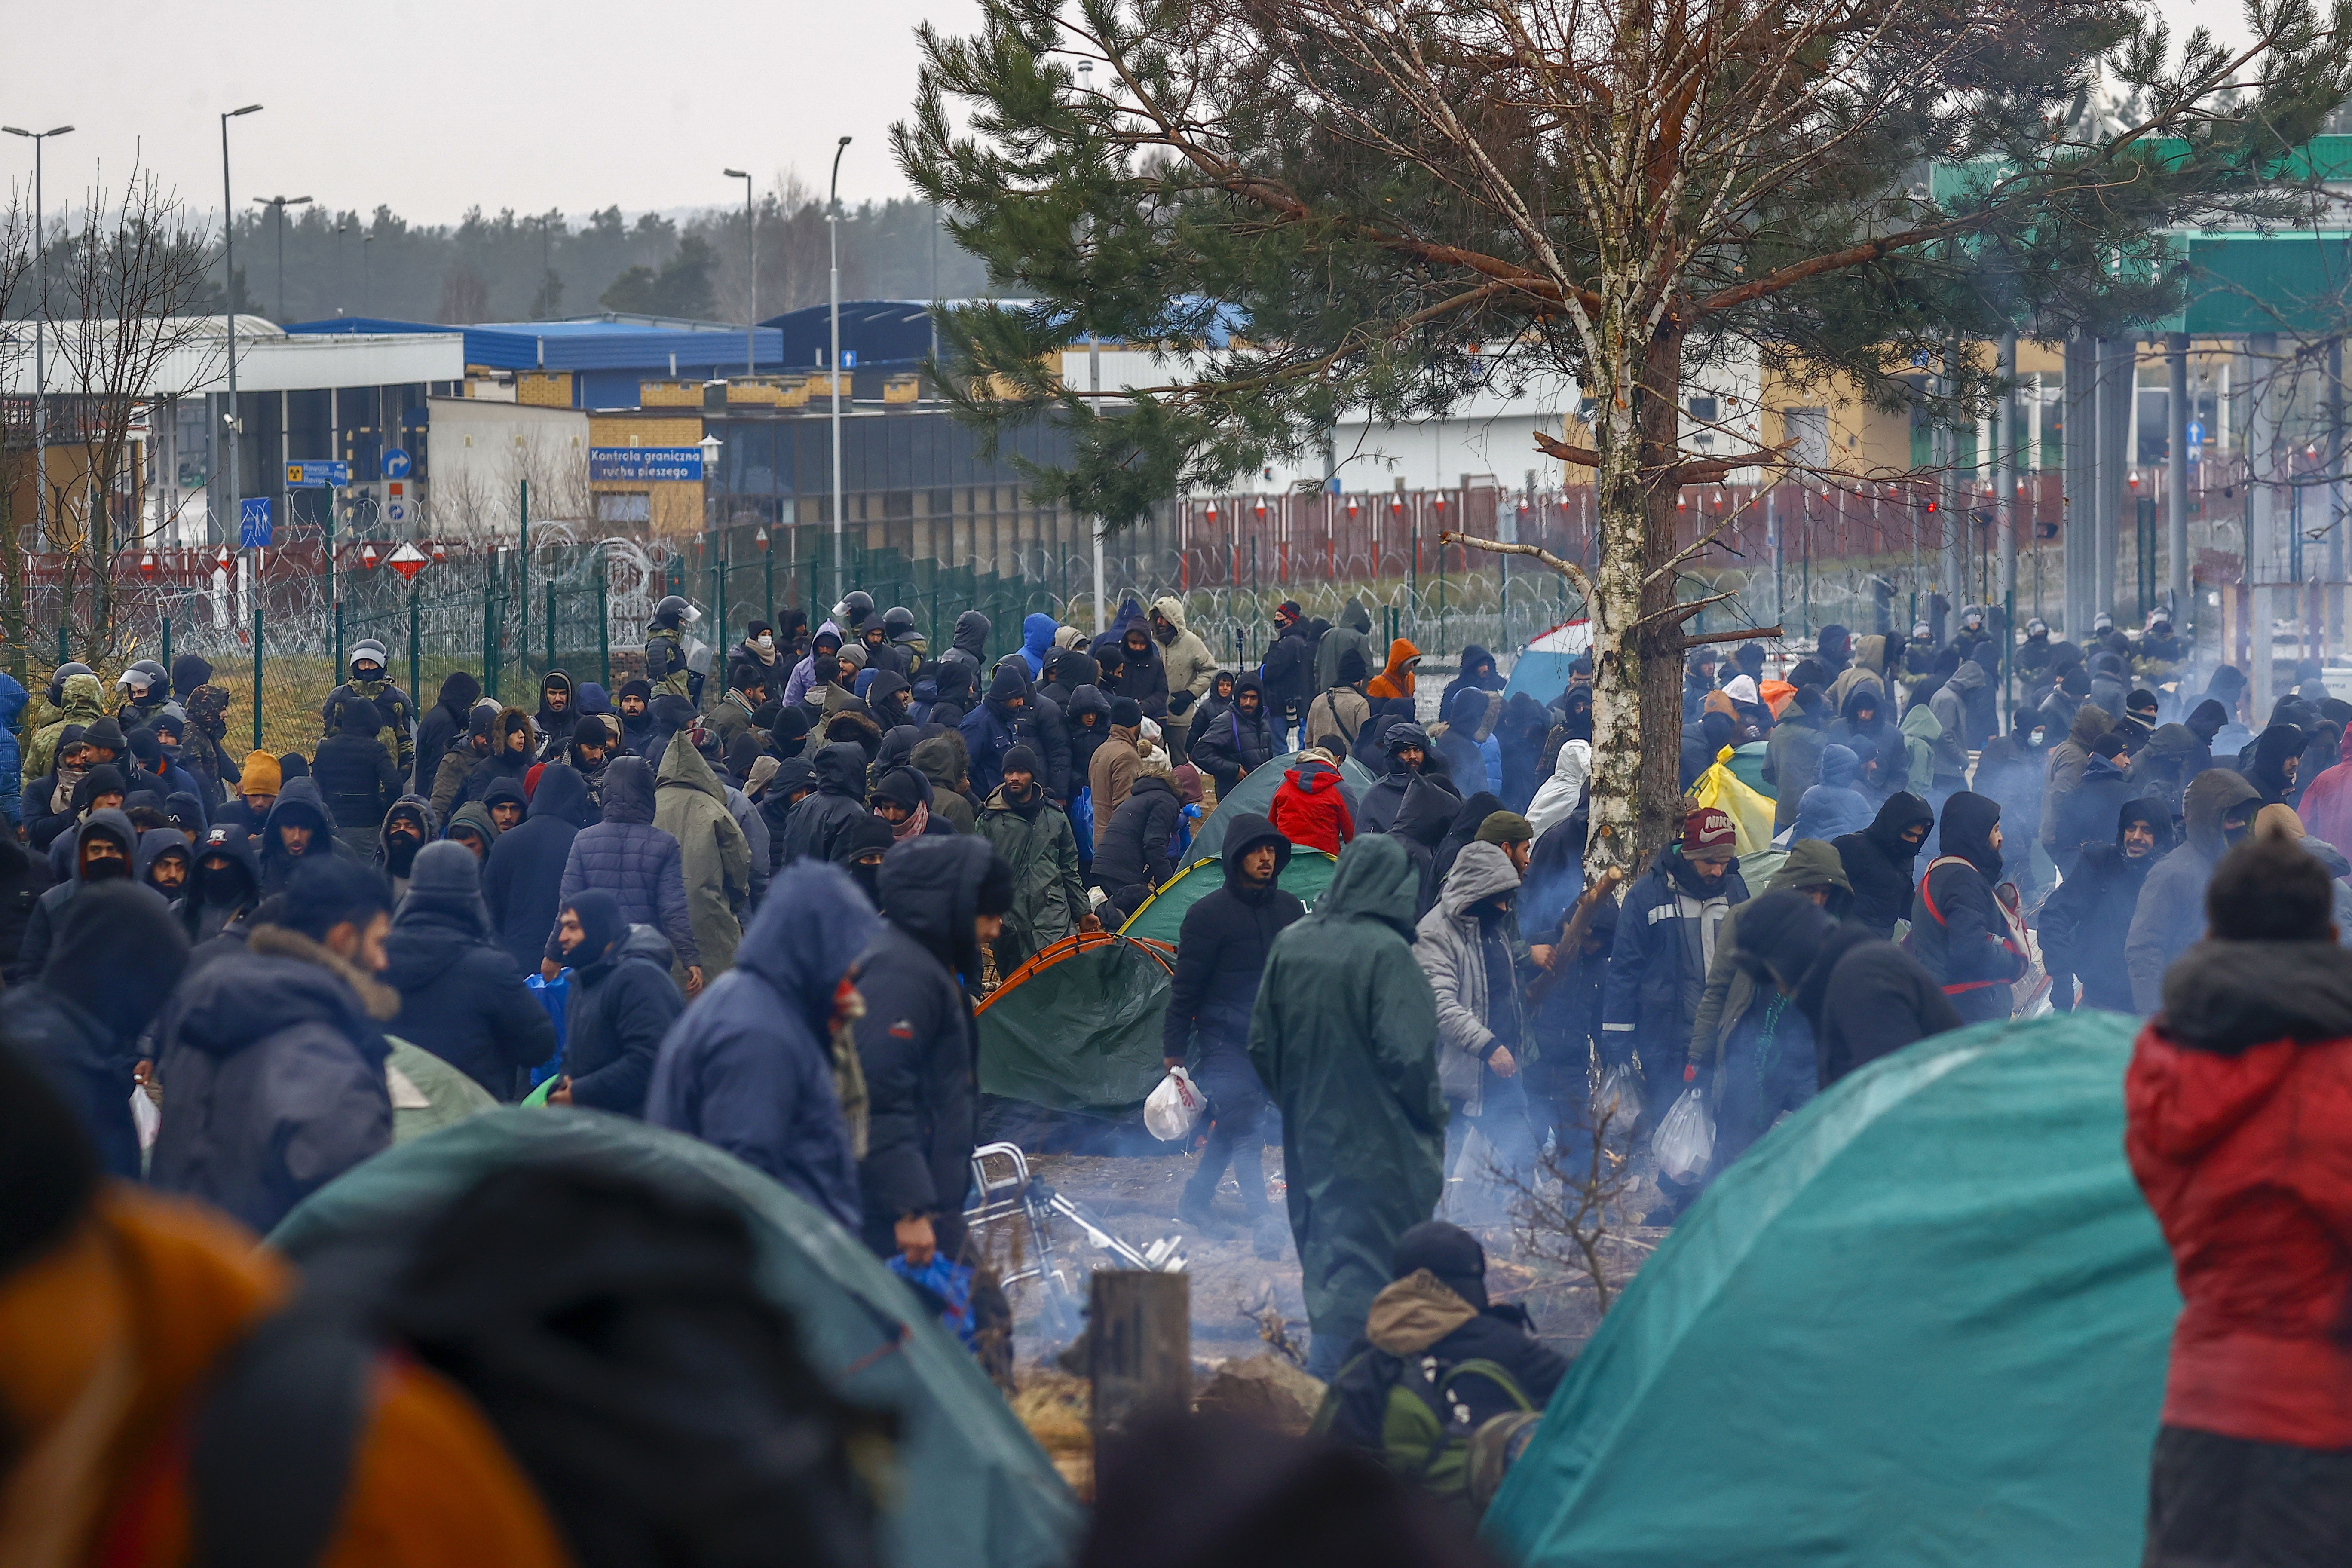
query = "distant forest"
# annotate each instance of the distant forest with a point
(544, 266)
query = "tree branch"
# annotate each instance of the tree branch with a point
(1675, 615)
(1568, 569)
(1561, 451)
(1737, 633)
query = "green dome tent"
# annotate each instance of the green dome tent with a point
(1256, 792)
(1924, 1322)
(1161, 916)
(1076, 1028)
(975, 1488)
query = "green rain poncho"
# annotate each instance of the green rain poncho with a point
(1344, 1037)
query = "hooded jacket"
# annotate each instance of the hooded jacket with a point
(1960, 933)
(1288, 675)
(2238, 1125)
(996, 725)
(633, 860)
(1477, 674)
(2068, 759)
(1186, 667)
(749, 1069)
(1469, 748)
(1049, 897)
(1668, 929)
(1864, 997)
(443, 724)
(1834, 807)
(715, 858)
(411, 805)
(215, 898)
(1233, 744)
(1222, 948)
(813, 826)
(501, 763)
(2088, 817)
(461, 994)
(522, 875)
(1340, 1036)
(1353, 631)
(1311, 807)
(1086, 718)
(2170, 912)
(355, 775)
(13, 698)
(47, 916)
(299, 803)
(1792, 757)
(272, 1059)
(1951, 705)
(1036, 641)
(1135, 845)
(2084, 922)
(1926, 767)
(1555, 799)
(1878, 862)
(1112, 777)
(622, 1004)
(1395, 678)
(1422, 820)
(1879, 741)
(1450, 944)
(940, 758)
(85, 703)
(917, 1043)
(1731, 990)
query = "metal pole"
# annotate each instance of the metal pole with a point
(751, 230)
(833, 364)
(415, 644)
(235, 425)
(2176, 471)
(603, 626)
(2261, 574)
(41, 334)
(1094, 386)
(523, 578)
(2334, 622)
(2004, 503)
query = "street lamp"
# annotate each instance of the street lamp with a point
(235, 425)
(833, 367)
(40, 326)
(281, 204)
(752, 233)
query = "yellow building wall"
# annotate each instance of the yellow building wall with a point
(677, 505)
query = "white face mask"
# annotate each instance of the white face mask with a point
(767, 643)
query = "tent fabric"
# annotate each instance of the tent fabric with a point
(1254, 793)
(1925, 1322)
(1077, 1027)
(447, 1094)
(1161, 916)
(1541, 668)
(973, 1487)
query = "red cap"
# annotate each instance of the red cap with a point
(1708, 834)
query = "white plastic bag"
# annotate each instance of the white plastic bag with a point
(1619, 1094)
(1174, 1106)
(145, 1117)
(1685, 1140)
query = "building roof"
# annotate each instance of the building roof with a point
(584, 345)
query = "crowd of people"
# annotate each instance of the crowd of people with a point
(769, 898)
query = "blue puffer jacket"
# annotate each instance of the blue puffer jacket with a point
(11, 760)
(748, 1067)
(632, 859)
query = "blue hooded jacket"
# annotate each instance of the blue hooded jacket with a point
(1036, 642)
(748, 1067)
(11, 760)
(1834, 807)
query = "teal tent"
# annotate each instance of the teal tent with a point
(1256, 792)
(1924, 1322)
(973, 1488)
(1077, 1027)
(1161, 916)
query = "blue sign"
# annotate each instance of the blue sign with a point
(642, 464)
(253, 523)
(395, 463)
(2196, 435)
(849, 359)
(315, 474)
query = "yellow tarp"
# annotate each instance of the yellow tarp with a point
(1751, 814)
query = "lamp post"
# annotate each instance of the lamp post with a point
(281, 204)
(40, 332)
(235, 425)
(715, 520)
(832, 365)
(751, 238)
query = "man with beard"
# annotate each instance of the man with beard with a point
(104, 851)
(2217, 811)
(407, 827)
(2084, 922)
(622, 1002)
(1034, 836)
(637, 724)
(559, 712)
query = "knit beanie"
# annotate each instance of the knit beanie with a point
(1708, 834)
(1505, 827)
(1126, 713)
(1020, 759)
(259, 775)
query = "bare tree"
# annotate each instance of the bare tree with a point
(16, 258)
(134, 270)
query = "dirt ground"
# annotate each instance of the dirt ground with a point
(1243, 1304)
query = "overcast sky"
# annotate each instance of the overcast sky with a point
(434, 105)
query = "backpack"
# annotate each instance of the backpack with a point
(1412, 1413)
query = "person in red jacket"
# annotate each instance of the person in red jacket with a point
(2239, 1107)
(1311, 806)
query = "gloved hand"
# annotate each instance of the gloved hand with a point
(1180, 702)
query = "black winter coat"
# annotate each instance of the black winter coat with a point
(23, 879)
(1879, 863)
(84, 1062)
(2084, 924)
(1221, 951)
(443, 722)
(497, 765)
(632, 859)
(1867, 998)
(917, 1043)
(1289, 672)
(524, 875)
(462, 997)
(1960, 932)
(814, 826)
(1138, 846)
(620, 1007)
(357, 778)
(1231, 745)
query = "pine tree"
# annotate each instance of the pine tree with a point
(1399, 196)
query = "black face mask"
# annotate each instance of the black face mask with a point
(400, 853)
(106, 869)
(867, 877)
